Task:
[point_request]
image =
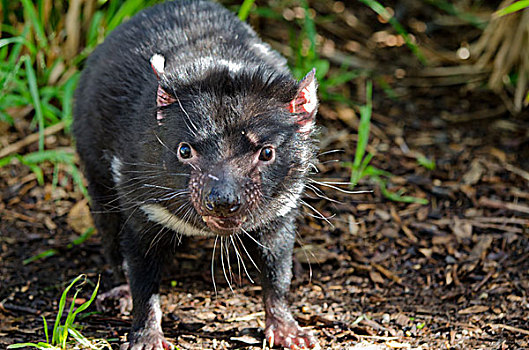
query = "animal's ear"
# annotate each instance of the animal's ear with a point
(305, 104)
(163, 98)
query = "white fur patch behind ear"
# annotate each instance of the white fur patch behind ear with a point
(158, 64)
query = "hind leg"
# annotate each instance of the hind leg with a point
(108, 221)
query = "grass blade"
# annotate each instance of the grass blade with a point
(310, 30)
(24, 345)
(129, 8)
(451, 9)
(363, 128)
(33, 89)
(46, 333)
(62, 303)
(244, 10)
(35, 22)
(86, 304)
(517, 6)
(44, 254)
(395, 196)
(67, 100)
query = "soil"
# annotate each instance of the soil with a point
(380, 274)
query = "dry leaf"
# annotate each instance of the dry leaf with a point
(376, 277)
(473, 175)
(79, 218)
(476, 309)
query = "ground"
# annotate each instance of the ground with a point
(450, 274)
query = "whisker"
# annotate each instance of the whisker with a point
(331, 151)
(163, 144)
(158, 187)
(153, 165)
(247, 254)
(187, 115)
(320, 194)
(212, 265)
(226, 244)
(330, 161)
(156, 239)
(253, 239)
(239, 257)
(301, 243)
(326, 184)
(222, 262)
(172, 196)
(321, 216)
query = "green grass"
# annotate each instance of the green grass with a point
(65, 334)
(36, 70)
(360, 166)
(514, 7)
(453, 10)
(244, 10)
(51, 252)
(306, 60)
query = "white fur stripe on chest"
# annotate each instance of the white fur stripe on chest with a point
(160, 215)
(115, 167)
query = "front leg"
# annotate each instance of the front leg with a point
(144, 267)
(275, 260)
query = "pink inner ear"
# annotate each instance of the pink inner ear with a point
(163, 98)
(305, 103)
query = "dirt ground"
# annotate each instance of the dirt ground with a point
(452, 274)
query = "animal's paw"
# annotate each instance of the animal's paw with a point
(147, 340)
(116, 297)
(289, 334)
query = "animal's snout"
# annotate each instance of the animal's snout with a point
(221, 197)
(222, 201)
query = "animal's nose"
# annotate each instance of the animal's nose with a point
(222, 202)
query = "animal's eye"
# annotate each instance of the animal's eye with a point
(267, 154)
(184, 151)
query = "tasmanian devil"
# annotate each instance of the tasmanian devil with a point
(188, 124)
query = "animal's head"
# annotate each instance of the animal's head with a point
(243, 136)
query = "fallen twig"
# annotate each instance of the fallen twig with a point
(493, 203)
(509, 328)
(28, 140)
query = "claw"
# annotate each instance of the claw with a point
(315, 346)
(167, 346)
(289, 335)
(301, 342)
(271, 340)
(288, 342)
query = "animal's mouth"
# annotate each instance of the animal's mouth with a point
(224, 225)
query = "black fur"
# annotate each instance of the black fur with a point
(231, 97)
